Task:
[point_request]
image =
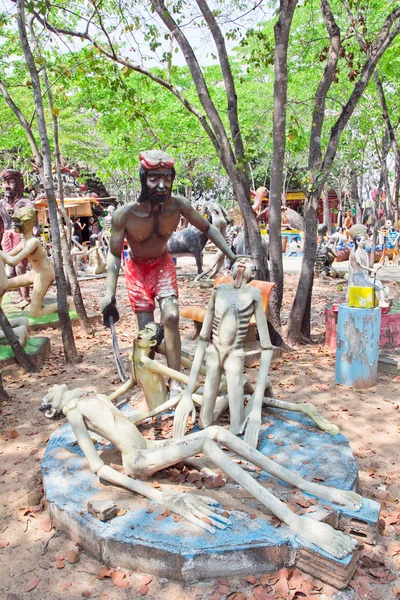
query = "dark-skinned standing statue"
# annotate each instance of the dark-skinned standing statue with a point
(13, 188)
(147, 225)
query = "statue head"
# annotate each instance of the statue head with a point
(150, 336)
(243, 271)
(13, 185)
(24, 219)
(54, 402)
(360, 241)
(157, 175)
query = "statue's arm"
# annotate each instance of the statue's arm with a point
(13, 259)
(114, 254)
(252, 424)
(204, 226)
(186, 405)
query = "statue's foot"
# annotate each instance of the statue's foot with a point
(320, 422)
(325, 537)
(350, 500)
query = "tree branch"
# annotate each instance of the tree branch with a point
(137, 68)
(228, 78)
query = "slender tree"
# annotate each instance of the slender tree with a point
(66, 326)
(281, 33)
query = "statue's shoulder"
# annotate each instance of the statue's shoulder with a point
(180, 201)
(123, 212)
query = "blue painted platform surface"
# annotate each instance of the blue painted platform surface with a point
(357, 347)
(180, 550)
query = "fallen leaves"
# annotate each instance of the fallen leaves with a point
(32, 584)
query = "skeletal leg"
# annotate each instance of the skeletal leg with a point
(164, 454)
(306, 408)
(211, 386)
(233, 367)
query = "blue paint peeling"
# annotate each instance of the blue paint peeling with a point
(357, 349)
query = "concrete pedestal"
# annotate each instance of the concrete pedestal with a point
(142, 539)
(357, 349)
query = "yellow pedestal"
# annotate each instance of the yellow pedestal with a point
(362, 297)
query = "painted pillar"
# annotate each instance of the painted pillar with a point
(357, 346)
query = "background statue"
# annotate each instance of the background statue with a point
(90, 412)
(13, 187)
(42, 274)
(359, 270)
(147, 225)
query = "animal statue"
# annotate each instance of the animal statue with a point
(191, 242)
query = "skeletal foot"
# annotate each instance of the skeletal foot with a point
(325, 537)
(348, 499)
(320, 422)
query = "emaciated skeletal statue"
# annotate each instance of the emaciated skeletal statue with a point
(225, 325)
(97, 261)
(91, 412)
(42, 274)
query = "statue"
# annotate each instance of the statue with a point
(42, 274)
(148, 224)
(97, 261)
(91, 412)
(225, 325)
(359, 269)
(13, 186)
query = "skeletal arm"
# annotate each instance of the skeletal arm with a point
(186, 404)
(252, 424)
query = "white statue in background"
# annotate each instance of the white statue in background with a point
(90, 412)
(360, 272)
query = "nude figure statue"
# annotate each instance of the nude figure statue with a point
(42, 274)
(20, 324)
(229, 311)
(91, 412)
(147, 225)
(97, 261)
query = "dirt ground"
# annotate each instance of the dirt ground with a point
(38, 563)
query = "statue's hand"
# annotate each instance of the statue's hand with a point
(183, 410)
(109, 309)
(251, 427)
(198, 510)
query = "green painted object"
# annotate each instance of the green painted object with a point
(33, 346)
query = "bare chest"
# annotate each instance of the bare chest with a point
(141, 228)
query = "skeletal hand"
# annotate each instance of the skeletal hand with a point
(194, 509)
(251, 427)
(183, 410)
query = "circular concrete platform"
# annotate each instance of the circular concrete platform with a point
(179, 550)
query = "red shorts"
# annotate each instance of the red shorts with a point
(149, 279)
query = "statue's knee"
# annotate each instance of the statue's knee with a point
(170, 314)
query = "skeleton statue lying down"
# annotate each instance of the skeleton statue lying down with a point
(92, 412)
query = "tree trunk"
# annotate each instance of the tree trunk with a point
(72, 278)
(71, 355)
(299, 318)
(281, 33)
(325, 205)
(21, 357)
(355, 194)
(3, 394)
